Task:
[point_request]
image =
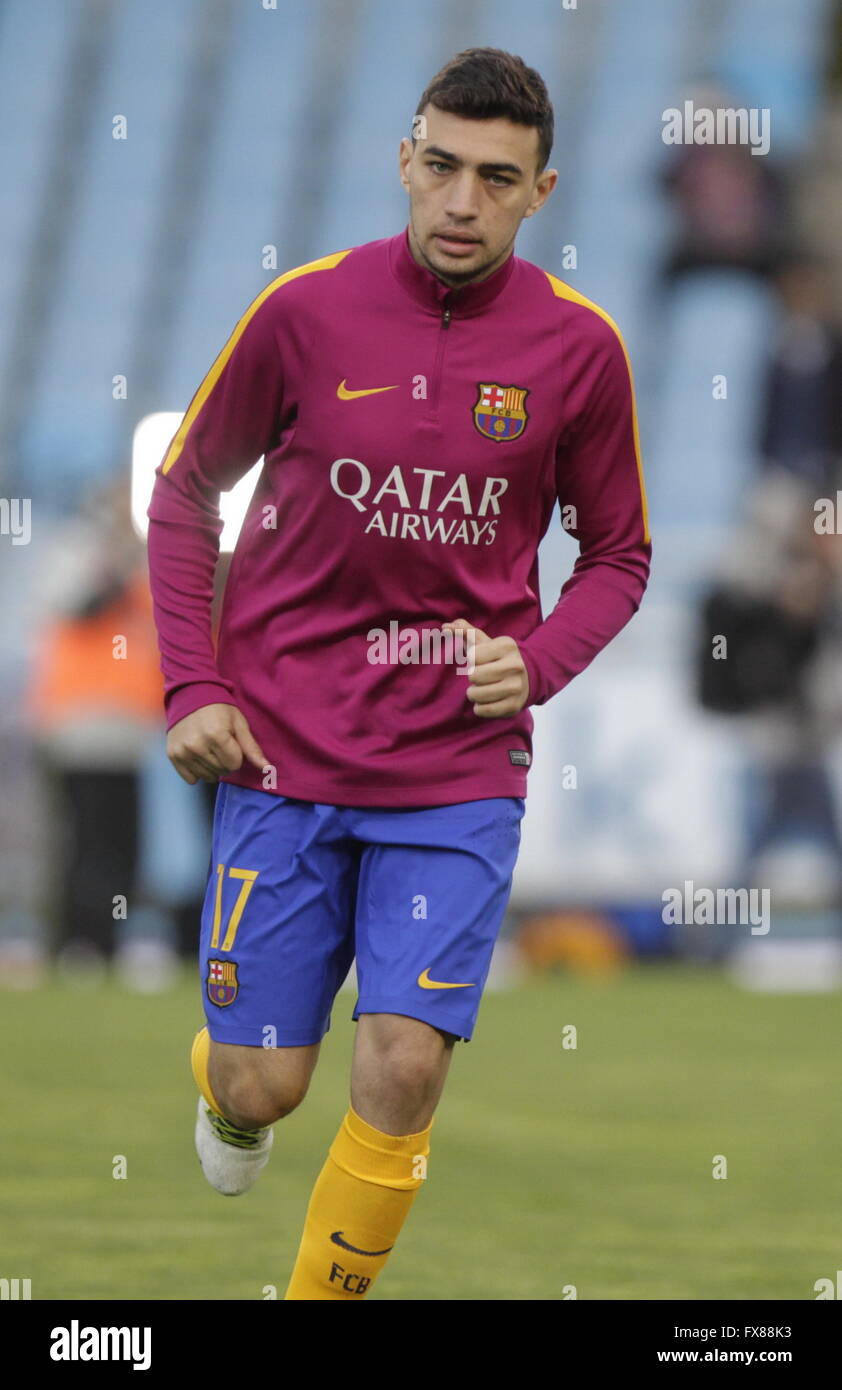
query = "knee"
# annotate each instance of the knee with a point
(402, 1067)
(253, 1100)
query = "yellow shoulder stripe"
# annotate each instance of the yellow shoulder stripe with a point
(326, 263)
(564, 291)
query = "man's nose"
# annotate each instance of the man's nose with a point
(463, 196)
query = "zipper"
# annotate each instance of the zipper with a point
(446, 316)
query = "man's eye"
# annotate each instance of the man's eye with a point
(439, 164)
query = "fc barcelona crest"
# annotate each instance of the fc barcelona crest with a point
(499, 412)
(222, 982)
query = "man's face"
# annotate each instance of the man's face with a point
(471, 180)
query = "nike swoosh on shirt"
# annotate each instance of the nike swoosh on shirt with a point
(426, 983)
(345, 395)
(336, 1237)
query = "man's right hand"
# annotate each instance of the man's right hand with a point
(211, 741)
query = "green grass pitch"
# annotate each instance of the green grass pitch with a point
(550, 1167)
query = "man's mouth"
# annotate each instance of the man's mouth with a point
(456, 241)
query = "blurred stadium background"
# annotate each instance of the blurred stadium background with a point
(161, 161)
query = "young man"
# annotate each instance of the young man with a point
(423, 403)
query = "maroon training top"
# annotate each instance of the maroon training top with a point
(416, 441)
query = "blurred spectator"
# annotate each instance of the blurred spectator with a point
(777, 604)
(95, 700)
(802, 408)
(731, 206)
(769, 606)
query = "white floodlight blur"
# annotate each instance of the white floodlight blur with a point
(149, 444)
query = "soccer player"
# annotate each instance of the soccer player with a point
(422, 403)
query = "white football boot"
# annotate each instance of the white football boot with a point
(232, 1159)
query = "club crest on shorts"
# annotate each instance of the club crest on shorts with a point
(222, 982)
(499, 413)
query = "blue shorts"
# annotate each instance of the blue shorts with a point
(297, 889)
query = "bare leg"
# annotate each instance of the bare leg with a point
(255, 1086)
(398, 1072)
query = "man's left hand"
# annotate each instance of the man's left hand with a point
(499, 683)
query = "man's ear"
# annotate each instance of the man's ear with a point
(549, 176)
(405, 147)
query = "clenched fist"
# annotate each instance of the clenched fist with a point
(500, 686)
(211, 741)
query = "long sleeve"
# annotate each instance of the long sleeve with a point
(233, 418)
(599, 474)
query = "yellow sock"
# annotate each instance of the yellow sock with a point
(199, 1054)
(359, 1204)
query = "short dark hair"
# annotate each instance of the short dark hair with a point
(482, 84)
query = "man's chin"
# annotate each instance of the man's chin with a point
(455, 267)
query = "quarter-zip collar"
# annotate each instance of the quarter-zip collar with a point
(433, 293)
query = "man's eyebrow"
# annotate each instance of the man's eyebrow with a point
(490, 168)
